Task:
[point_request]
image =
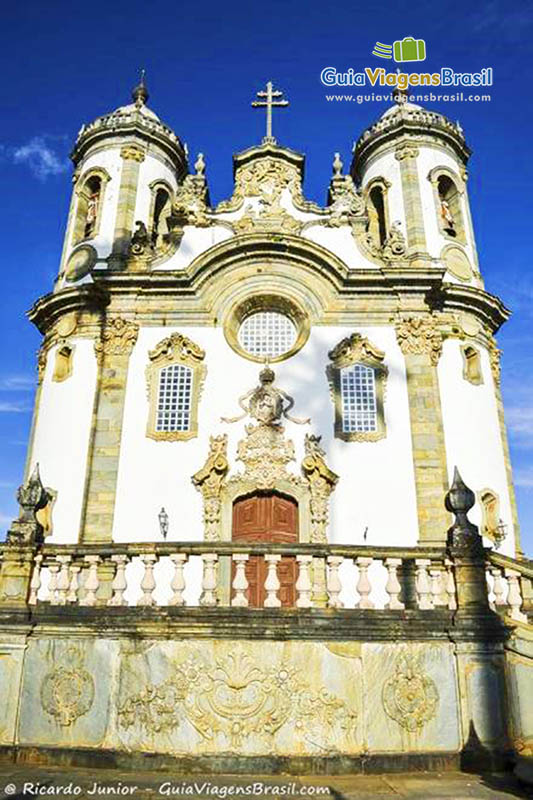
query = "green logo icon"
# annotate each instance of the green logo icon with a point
(409, 49)
(406, 49)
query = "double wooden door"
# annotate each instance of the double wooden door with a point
(267, 517)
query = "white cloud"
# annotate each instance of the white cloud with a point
(7, 484)
(39, 156)
(7, 407)
(6, 519)
(524, 477)
(17, 383)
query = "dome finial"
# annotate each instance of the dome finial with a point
(140, 93)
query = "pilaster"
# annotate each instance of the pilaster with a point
(113, 351)
(132, 157)
(406, 154)
(421, 344)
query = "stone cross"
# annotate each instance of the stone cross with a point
(272, 98)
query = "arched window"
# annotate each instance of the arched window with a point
(377, 223)
(160, 213)
(357, 378)
(472, 365)
(90, 192)
(448, 190)
(174, 375)
(63, 363)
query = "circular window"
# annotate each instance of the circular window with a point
(267, 334)
(266, 328)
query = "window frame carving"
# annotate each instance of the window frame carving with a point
(460, 188)
(474, 380)
(78, 233)
(486, 530)
(352, 350)
(175, 349)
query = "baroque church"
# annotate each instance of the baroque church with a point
(268, 513)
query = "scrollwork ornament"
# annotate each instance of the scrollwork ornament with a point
(495, 360)
(410, 697)
(406, 150)
(209, 480)
(322, 481)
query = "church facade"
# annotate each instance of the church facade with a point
(244, 486)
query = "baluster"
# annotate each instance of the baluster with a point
(74, 585)
(422, 584)
(240, 584)
(437, 587)
(450, 585)
(52, 584)
(363, 584)
(209, 580)
(178, 580)
(303, 584)
(92, 581)
(272, 583)
(35, 583)
(497, 587)
(148, 581)
(63, 580)
(393, 587)
(514, 596)
(120, 583)
(334, 584)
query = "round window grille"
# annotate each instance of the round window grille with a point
(267, 334)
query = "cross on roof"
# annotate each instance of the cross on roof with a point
(272, 98)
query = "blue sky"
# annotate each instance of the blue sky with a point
(65, 64)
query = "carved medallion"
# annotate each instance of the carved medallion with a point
(409, 696)
(80, 263)
(67, 693)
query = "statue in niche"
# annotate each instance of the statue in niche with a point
(266, 403)
(448, 221)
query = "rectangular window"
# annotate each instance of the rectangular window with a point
(358, 395)
(174, 398)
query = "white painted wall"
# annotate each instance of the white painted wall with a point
(154, 474)
(150, 170)
(472, 433)
(62, 437)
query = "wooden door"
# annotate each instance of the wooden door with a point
(268, 517)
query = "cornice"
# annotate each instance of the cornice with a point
(91, 297)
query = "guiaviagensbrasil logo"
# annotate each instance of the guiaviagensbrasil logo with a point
(406, 49)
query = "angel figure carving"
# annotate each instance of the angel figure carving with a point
(266, 403)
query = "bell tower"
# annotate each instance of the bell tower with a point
(128, 164)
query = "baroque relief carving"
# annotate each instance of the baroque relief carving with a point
(209, 480)
(419, 336)
(117, 338)
(494, 358)
(265, 454)
(236, 698)
(42, 356)
(67, 692)
(409, 696)
(406, 150)
(322, 482)
(132, 153)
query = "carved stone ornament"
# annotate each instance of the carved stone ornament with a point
(266, 178)
(32, 497)
(495, 363)
(345, 202)
(322, 482)
(175, 349)
(395, 245)
(67, 692)
(406, 150)
(237, 698)
(272, 217)
(117, 338)
(266, 403)
(353, 349)
(209, 481)
(42, 356)
(419, 336)
(140, 241)
(132, 153)
(409, 696)
(190, 205)
(265, 454)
